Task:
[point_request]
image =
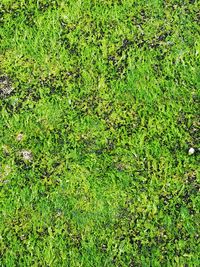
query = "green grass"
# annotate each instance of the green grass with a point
(99, 105)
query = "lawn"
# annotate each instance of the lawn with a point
(99, 133)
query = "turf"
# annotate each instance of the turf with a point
(99, 133)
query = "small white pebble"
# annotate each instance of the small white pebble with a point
(191, 151)
(19, 137)
(27, 155)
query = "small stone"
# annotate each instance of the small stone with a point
(27, 155)
(5, 86)
(19, 137)
(191, 151)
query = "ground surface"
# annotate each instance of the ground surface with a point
(99, 109)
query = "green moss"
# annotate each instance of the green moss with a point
(104, 101)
